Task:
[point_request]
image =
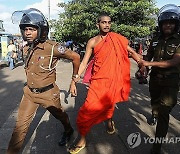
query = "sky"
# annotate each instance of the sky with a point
(7, 7)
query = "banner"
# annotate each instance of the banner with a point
(4, 43)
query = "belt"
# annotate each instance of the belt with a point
(175, 75)
(41, 90)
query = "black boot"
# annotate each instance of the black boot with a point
(66, 137)
(153, 120)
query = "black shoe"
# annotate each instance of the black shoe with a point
(65, 137)
(152, 121)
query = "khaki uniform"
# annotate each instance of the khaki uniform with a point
(164, 82)
(40, 90)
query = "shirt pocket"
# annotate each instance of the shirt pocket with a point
(157, 51)
(170, 51)
(43, 64)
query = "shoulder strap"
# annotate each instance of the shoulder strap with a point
(178, 46)
(28, 56)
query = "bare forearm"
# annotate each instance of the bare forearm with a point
(76, 64)
(82, 68)
(162, 64)
(85, 61)
(134, 55)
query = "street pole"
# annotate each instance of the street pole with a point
(49, 8)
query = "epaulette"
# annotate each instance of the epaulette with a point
(52, 42)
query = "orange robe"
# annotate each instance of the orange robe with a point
(110, 82)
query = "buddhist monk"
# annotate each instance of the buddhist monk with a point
(110, 81)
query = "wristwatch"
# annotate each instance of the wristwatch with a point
(75, 76)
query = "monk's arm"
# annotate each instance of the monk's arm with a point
(83, 65)
(134, 55)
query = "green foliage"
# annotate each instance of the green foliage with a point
(132, 18)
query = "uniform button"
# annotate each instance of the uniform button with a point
(32, 62)
(32, 83)
(161, 58)
(42, 64)
(32, 73)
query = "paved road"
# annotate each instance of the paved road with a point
(45, 130)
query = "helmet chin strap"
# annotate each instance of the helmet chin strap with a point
(36, 41)
(33, 43)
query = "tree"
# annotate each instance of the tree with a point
(132, 18)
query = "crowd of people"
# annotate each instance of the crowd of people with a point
(111, 65)
(77, 47)
(15, 50)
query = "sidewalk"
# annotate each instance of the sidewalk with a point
(45, 130)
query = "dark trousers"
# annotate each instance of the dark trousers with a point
(163, 92)
(27, 109)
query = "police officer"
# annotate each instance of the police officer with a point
(164, 77)
(40, 66)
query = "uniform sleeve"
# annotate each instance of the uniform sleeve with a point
(59, 50)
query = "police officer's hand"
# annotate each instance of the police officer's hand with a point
(145, 63)
(76, 79)
(73, 89)
(139, 62)
(144, 71)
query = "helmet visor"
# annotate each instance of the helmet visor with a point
(170, 8)
(33, 15)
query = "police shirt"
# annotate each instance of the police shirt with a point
(41, 64)
(162, 50)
